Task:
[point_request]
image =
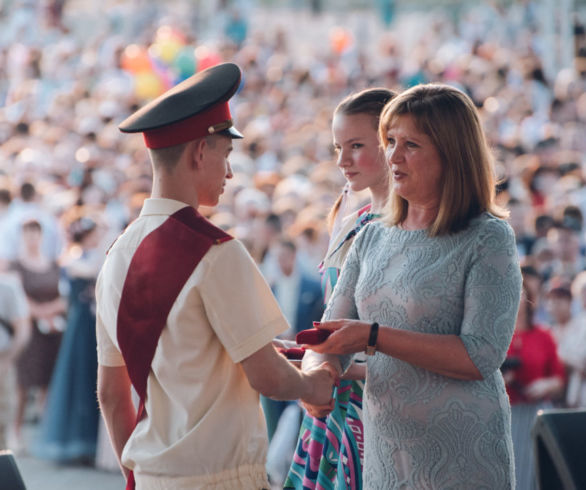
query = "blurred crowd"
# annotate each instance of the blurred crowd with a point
(70, 71)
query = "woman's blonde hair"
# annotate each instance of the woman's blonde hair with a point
(450, 119)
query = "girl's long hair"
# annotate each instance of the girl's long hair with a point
(370, 102)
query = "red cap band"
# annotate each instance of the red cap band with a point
(189, 129)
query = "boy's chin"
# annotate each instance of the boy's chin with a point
(209, 202)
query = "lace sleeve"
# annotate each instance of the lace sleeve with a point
(492, 294)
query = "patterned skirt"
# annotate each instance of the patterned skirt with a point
(330, 451)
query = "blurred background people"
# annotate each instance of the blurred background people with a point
(5, 200)
(568, 260)
(40, 276)
(27, 206)
(558, 304)
(572, 350)
(300, 298)
(15, 331)
(535, 378)
(69, 428)
(71, 71)
(298, 294)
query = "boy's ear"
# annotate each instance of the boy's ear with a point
(198, 153)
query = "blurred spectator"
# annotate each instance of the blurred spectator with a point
(54, 13)
(316, 6)
(543, 223)
(69, 429)
(534, 282)
(542, 258)
(5, 200)
(572, 218)
(572, 349)
(15, 332)
(534, 376)
(518, 220)
(299, 295)
(542, 181)
(40, 277)
(568, 259)
(559, 308)
(25, 207)
(301, 300)
(311, 241)
(237, 27)
(387, 10)
(265, 235)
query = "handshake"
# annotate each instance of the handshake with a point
(315, 367)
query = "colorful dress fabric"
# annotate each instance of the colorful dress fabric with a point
(329, 451)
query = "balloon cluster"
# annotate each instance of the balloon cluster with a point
(167, 61)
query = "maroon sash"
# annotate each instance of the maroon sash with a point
(158, 271)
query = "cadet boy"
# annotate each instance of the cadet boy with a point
(185, 316)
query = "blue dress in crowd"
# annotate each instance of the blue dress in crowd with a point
(69, 429)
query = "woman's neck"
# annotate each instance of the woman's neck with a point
(419, 217)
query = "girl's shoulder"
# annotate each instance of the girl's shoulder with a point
(350, 225)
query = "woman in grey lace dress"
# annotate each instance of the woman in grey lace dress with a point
(434, 289)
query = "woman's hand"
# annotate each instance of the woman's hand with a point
(347, 337)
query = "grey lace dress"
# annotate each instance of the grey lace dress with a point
(424, 430)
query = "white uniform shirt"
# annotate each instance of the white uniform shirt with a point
(206, 423)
